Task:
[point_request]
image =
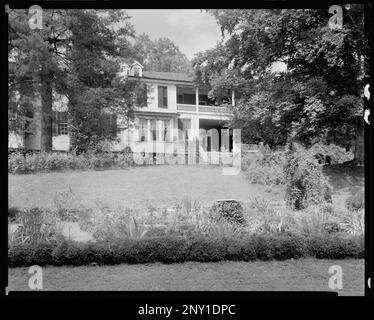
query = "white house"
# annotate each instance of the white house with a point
(177, 110)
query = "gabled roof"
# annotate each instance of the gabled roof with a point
(138, 63)
(171, 76)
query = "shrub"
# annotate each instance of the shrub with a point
(335, 153)
(13, 213)
(227, 210)
(336, 247)
(266, 169)
(16, 163)
(169, 249)
(353, 223)
(31, 254)
(356, 201)
(59, 161)
(305, 182)
(206, 250)
(33, 227)
(280, 247)
(264, 218)
(108, 225)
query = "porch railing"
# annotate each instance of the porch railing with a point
(186, 107)
(203, 108)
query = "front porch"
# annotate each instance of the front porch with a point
(196, 100)
(208, 142)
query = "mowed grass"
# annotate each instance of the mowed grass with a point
(291, 275)
(161, 185)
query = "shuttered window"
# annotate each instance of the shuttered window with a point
(162, 97)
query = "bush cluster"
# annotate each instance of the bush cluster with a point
(228, 210)
(335, 153)
(305, 182)
(266, 169)
(58, 161)
(356, 201)
(173, 249)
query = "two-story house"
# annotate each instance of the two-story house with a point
(177, 110)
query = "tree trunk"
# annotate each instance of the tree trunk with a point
(46, 111)
(359, 145)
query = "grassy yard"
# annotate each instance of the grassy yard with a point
(158, 186)
(291, 275)
(134, 187)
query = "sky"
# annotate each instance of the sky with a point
(190, 29)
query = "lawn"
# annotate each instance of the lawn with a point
(135, 187)
(160, 186)
(291, 275)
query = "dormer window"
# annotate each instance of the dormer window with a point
(136, 69)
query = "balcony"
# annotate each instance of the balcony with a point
(186, 107)
(204, 108)
(215, 109)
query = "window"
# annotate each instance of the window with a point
(189, 99)
(166, 130)
(162, 97)
(180, 98)
(61, 123)
(136, 72)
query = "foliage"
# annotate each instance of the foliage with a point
(108, 225)
(59, 161)
(168, 249)
(13, 212)
(77, 54)
(334, 152)
(161, 55)
(33, 227)
(227, 210)
(298, 79)
(354, 223)
(305, 182)
(66, 205)
(356, 201)
(266, 169)
(263, 218)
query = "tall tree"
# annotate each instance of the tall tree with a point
(78, 54)
(161, 55)
(33, 65)
(318, 97)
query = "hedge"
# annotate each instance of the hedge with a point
(176, 249)
(19, 163)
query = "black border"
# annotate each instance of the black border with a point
(221, 297)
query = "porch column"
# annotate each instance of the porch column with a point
(148, 130)
(197, 98)
(160, 133)
(233, 97)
